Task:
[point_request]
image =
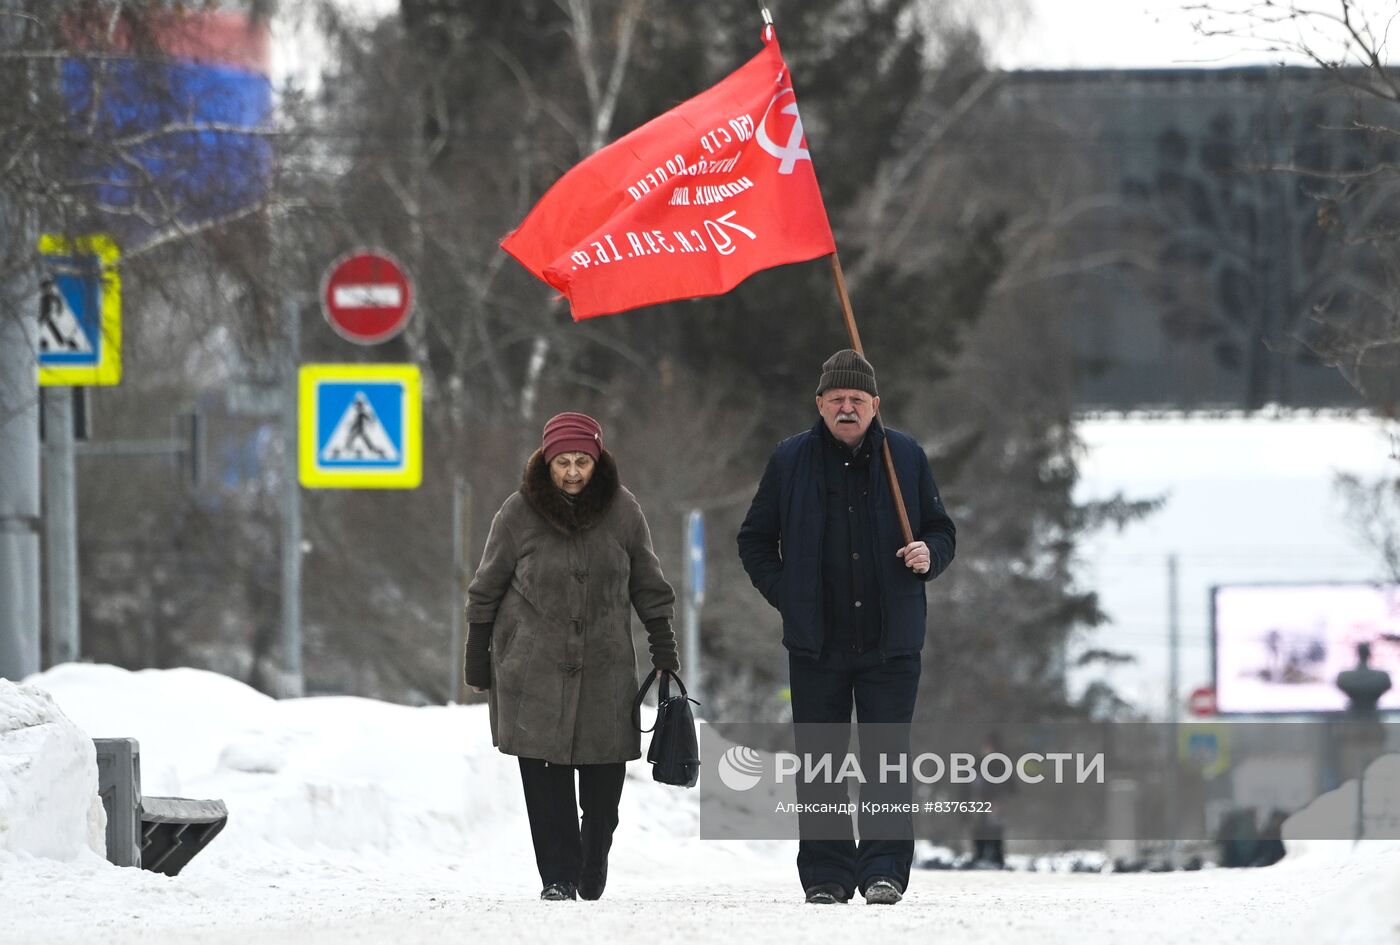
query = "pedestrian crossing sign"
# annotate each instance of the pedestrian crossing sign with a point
(1206, 747)
(360, 426)
(80, 312)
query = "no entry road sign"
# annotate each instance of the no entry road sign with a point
(367, 297)
(1202, 701)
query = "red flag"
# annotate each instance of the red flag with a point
(690, 204)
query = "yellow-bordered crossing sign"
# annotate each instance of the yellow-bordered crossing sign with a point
(361, 426)
(80, 312)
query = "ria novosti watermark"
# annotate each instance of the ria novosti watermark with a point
(1080, 783)
(739, 768)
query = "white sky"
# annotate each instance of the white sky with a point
(1048, 34)
(1123, 34)
(1087, 34)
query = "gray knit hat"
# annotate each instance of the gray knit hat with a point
(849, 371)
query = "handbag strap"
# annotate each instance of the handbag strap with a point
(663, 694)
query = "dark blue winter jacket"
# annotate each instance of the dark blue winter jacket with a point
(780, 542)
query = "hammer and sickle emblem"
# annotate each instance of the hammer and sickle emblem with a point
(792, 152)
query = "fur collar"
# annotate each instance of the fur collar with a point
(563, 513)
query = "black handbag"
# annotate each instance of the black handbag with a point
(674, 753)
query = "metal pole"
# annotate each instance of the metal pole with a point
(61, 526)
(686, 593)
(690, 638)
(19, 447)
(1173, 706)
(1360, 829)
(465, 574)
(693, 595)
(459, 567)
(1173, 642)
(293, 683)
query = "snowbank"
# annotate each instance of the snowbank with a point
(316, 774)
(1320, 829)
(340, 775)
(1366, 874)
(49, 805)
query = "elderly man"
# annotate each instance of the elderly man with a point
(823, 544)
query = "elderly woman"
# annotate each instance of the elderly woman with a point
(550, 637)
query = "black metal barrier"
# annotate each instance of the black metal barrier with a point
(174, 829)
(161, 834)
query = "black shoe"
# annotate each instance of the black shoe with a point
(558, 892)
(883, 891)
(827, 894)
(591, 883)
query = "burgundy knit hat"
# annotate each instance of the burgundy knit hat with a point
(572, 433)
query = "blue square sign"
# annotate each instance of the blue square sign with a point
(70, 319)
(359, 425)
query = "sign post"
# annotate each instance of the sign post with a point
(694, 597)
(79, 344)
(292, 680)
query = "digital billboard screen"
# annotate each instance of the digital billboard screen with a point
(1279, 647)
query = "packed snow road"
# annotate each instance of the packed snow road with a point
(330, 903)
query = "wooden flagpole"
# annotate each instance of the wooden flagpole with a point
(854, 332)
(885, 441)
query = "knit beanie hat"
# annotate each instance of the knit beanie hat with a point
(847, 370)
(572, 433)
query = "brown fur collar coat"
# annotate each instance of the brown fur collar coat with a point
(566, 513)
(551, 607)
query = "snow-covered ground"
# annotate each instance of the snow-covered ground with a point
(356, 821)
